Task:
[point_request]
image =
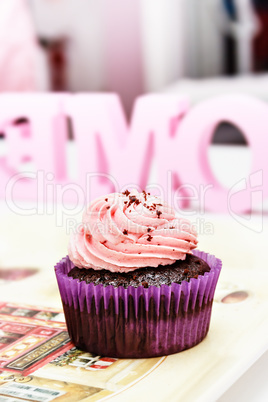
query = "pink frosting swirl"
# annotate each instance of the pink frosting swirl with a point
(122, 232)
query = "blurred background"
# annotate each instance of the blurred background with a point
(132, 47)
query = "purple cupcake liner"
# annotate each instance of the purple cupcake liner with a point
(138, 322)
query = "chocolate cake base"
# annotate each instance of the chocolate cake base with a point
(181, 270)
(144, 335)
(132, 319)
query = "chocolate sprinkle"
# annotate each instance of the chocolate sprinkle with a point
(158, 213)
(145, 195)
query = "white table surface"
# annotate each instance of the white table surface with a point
(35, 241)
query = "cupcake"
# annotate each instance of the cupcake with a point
(132, 285)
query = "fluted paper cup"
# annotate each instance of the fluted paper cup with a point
(138, 322)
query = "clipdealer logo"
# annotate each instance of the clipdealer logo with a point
(253, 220)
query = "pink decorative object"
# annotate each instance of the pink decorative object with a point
(17, 47)
(112, 156)
(43, 145)
(106, 145)
(250, 115)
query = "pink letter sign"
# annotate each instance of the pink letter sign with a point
(126, 154)
(250, 115)
(42, 146)
(112, 156)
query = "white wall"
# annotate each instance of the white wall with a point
(135, 46)
(163, 33)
